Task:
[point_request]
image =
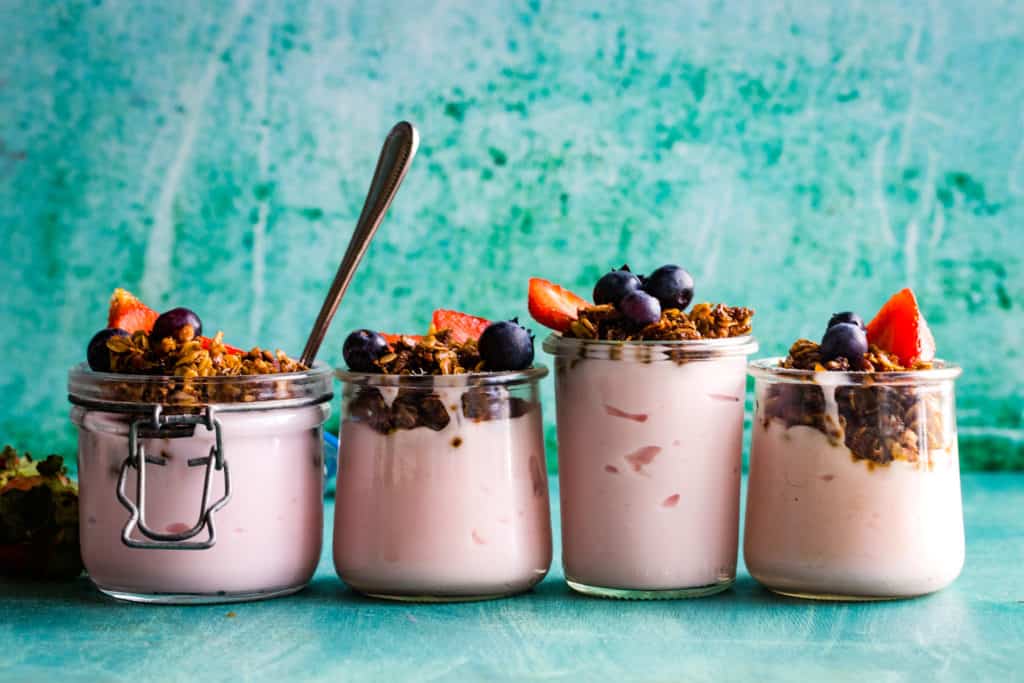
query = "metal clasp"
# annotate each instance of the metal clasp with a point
(138, 460)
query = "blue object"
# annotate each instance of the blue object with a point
(330, 461)
(973, 630)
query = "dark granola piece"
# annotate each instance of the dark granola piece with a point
(492, 403)
(705, 321)
(878, 423)
(368, 406)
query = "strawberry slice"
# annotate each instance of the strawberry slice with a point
(899, 328)
(462, 325)
(392, 339)
(205, 342)
(553, 306)
(130, 314)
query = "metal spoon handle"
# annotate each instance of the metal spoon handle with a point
(395, 157)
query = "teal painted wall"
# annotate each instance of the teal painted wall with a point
(796, 158)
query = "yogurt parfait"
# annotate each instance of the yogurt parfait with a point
(854, 487)
(442, 491)
(650, 401)
(200, 464)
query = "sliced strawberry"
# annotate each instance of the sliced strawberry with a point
(462, 325)
(392, 339)
(553, 306)
(205, 342)
(900, 328)
(130, 314)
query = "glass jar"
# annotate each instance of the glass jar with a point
(854, 485)
(650, 441)
(203, 490)
(442, 491)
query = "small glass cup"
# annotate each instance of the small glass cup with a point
(204, 490)
(442, 491)
(854, 485)
(650, 440)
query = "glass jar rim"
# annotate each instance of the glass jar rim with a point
(769, 369)
(559, 345)
(530, 375)
(106, 390)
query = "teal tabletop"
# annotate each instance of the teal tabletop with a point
(973, 630)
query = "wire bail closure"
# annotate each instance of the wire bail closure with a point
(137, 459)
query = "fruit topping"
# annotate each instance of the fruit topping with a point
(362, 350)
(181, 324)
(506, 345)
(846, 317)
(672, 286)
(846, 340)
(900, 328)
(98, 355)
(462, 325)
(553, 306)
(615, 285)
(641, 308)
(206, 344)
(130, 314)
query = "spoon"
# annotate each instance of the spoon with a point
(395, 157)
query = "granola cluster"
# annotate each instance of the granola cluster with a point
(434, 354)
(192, 358)
(876, 422)
(414, 408)
(183, 362)
(704, 321)
(805, 354)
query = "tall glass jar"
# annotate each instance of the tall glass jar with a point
(650, 441)
(442, 490)
(202, 490)
(854, 486)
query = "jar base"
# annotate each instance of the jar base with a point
(633, 594)
(196, 598)
(834, 597)
(435, 598)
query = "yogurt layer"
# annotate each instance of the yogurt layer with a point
(268, 534)
(649, 465)
(820, 522)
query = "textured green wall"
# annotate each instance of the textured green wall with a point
(796, 157)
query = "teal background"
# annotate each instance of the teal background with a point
(797, 157)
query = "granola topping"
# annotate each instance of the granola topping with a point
(704, 321)
(876, 422)
(435, 354)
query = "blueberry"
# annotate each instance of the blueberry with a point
(846, 340)
(506, 345)
(671, 285)
(846, 317)
(362, 348)
(98, 355)
(641, 308)
(614, 285)
(175, 323)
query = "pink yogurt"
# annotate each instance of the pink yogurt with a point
(649, 453)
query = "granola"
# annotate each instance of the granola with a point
(876, 422)
(434, 354)
(704, 321)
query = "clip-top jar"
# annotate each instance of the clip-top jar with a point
(200, 490)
